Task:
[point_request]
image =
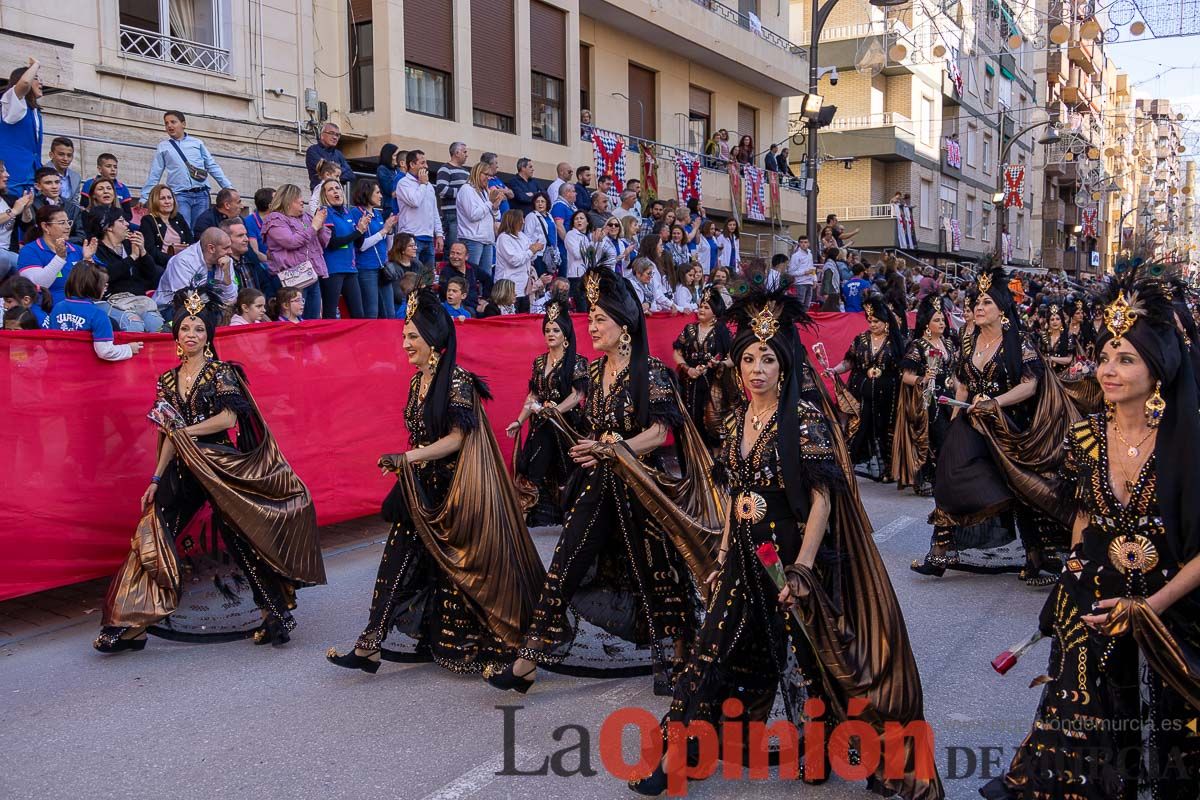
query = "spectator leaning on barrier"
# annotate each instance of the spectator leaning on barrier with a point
(417, 206)
(250, 308)
(165, 230)
(325, 149)
(47, 257)
(294, 237)
(11, 208)
(62, 155)
(227, 206)
(81, 311)
(183, 162)
(130, 269)
(20, 293)
(208, 262)
(21, 127)
(451, 177)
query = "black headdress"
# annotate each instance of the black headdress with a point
(1056, 308)
(197, 302)
(716, 303)
(993, 281)
(426, 312)
(612, 293)
(930, 304)
(1139, 311)
(559, 313)
(772, 319)
(874, 306)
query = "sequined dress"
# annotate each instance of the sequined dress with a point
(1102, 702)
(543, 463)
(875, 383)
(935, 419)
(706, 397)
(414, 600)
(613, 566)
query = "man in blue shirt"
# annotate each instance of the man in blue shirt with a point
(493, 167)
(561, 212)
(184, 164)
(853, 290)
(583, 191)
(228, 206)
(106, 167)
(325, 149)
(523, 186)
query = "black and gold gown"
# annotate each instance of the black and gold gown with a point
(542, 462)
(875, 383)
(192, 579)
(454, 592)
(1102, 704)
(1079, 376)
(708, 397)
(614, 566)
(1066, 344)
(921, 422)
(996, 475)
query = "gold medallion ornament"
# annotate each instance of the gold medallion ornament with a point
(1054, 309)
(194, 303)
(985, 282)
(591, 286)
(1119, 316)
(1137, 553)
(706, 297)
(764, 324)
(552, 312)
(410, 309)
(874, 372)
(750, 507)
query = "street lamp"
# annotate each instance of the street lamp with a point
(641, 113)
(1051, 137)
(819, 15)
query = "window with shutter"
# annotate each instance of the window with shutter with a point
(494, 64)
(642, 109)
(747, 122)
(699, 118)
(429, 60)
(548, 68)
(362, 56)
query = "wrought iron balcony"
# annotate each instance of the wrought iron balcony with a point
(172, 50)
(744, 21)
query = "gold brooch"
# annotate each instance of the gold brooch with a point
(874, 372)
(1129, 554)
(410, 310)
(1119, 316)
(552, 312)
(194, 303)
(985, 282)
(591, 286)
(764, 325)
(751, 507)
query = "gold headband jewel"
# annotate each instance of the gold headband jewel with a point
(552, 312)
(764, 324)
(706, 296)
(194, 303)
(1054, 309)
(1119, 316)
(591, 286)
(870, 314)
(410, 310)
(985, 282)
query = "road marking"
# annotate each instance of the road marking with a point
(892, 528)
(481, 776)
(623, 694)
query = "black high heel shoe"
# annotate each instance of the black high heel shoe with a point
(353, 660)
(113, 643)
(932, 565)
(271, 632)
(653, 784)
(507, 679)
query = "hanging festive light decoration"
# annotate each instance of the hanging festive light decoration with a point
(1137, 28)
(897, 52)
(1015, 41)
(939, 51)
(1090, 29)
(1060, 33)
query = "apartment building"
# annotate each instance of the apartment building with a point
(928, 97)
(511, 76)
(1162, 196)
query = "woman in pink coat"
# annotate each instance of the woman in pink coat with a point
(294, 237)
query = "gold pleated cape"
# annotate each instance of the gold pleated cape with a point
(477, 535)
(258, 496)
(1030, 460)
(1161, 650)
(910, 441)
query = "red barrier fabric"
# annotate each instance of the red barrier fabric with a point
(78, 451)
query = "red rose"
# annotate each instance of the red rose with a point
(767, 554)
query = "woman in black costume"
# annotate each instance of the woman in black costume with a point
(999, 453)
(702, 359)
(267, 545)
(1056, 342)
(615, 565)
(788, 492)
(873, 361)
(459, 571)
(927, 373)
(559, 378)
(1124, 681)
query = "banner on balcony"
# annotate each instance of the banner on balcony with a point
(610, 160)
(1087, 219)
(649, 174)
(953, 153)
(955, 235)
(904, 239)
(773, 193)
(952, 70)
(687, 178)
(735, 190)
(755, 180)
(1014, 185)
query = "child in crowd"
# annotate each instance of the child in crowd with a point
(456, 292)
(86, 284)
(287, 305)
(106, 167)
(326, 171)
(19, 292)
(19, 319)
(250, 308)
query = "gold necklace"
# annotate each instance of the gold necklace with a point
(1133, 449)
(990, 344)
(758, 420)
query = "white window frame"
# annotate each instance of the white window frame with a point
(131, 42)
(926, 200)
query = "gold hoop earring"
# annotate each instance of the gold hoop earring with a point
(1004, 323)
(434, 360)
(1155, 406)
(208, 351)
(779, 384)
(625, 343)
(1110, 411)
(179, 352)
(737, 378)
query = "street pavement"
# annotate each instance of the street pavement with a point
(236, 721)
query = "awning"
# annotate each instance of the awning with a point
(987, 66)
(1007, 74)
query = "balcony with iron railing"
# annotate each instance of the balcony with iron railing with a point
(713, 34)
(888, 136)
(156, 46)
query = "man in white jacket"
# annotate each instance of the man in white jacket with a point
(417, 208)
